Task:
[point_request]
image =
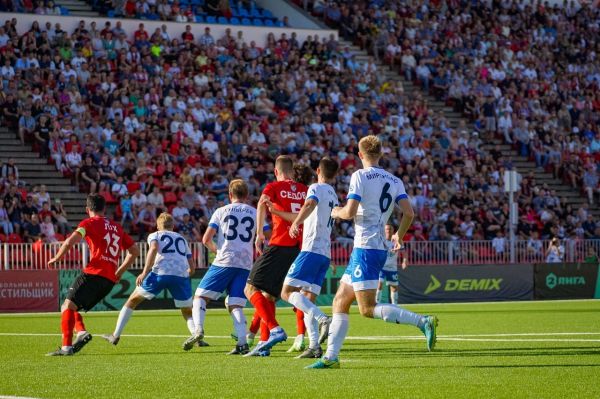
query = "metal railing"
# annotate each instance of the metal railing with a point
(36, 256)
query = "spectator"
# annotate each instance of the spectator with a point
(146, 221)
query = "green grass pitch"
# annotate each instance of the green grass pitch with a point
(490, 350)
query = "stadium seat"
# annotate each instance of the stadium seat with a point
(255, 13)
(2, 237)
(14, 239)
(199, 19)
(110, 14)
(234, 21)
(257, 22)
(246, 21)
(222, 20)
(133, 186)
(267, 14)
(269, 22)
(244, 12)
(170, 198)
(211, 19)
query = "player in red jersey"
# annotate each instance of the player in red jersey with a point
(106, 239)
(269, 270)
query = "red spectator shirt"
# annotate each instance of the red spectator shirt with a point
(286, 196)
(106, 240)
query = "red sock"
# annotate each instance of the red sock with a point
(67, 323)
(264, 332)
(300, 327)
(255, 324)
(264, 309)
(79, 326)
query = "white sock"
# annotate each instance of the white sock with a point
(337, 333)
(239, 325)
(395, 314)
(124, 316)
(304, 304)
(66, 347)
(199, 314)
(190, 325)
(81, 332)
(312, 330)
(394, 296)
(378, 296)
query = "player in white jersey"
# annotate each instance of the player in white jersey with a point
(389, 273)
(169, 265)
(234, 225)
(371, 198)
(303, 282)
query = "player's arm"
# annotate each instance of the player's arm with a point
(132, 253)
(309, 206)
(66, 246)
(406, 218)
(207, 239)
(287, 216)
(191, 264)
(150, 257)
(347, 212)
(261, 212)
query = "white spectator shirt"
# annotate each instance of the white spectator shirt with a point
(179, 212)
(391, 263)
(173, 254)
(377, 191)
(235, 225)
(316, 233)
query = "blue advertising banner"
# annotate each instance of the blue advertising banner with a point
(457, 283)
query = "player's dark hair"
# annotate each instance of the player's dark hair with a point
(284, 164)
(303, 174)
(328, 167)
(95, 203)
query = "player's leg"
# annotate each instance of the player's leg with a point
(298, 345)
(67, 322)
(379, 293)
(181, 291)
(392, 282)
(85, 292)
(312, 329)
(338, 328)
(307, 272)
(235, 303)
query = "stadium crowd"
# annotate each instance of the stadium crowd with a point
(156, 122)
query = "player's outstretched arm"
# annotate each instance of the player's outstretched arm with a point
(346, 212)
(150, 257)
(408, 214)
(308, 207)
(207, 239)
(73, 239)
(132, 253)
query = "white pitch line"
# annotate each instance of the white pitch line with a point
(16, 397)
(464, 338)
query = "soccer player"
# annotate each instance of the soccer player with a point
(169, 265)
(371, 198)
(303, 282)
(268, 272)
(106, 239)
(235, 227)
(389, 273)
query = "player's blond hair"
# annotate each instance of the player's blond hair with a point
(370, 147)
(238, 189)
(165, 221)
